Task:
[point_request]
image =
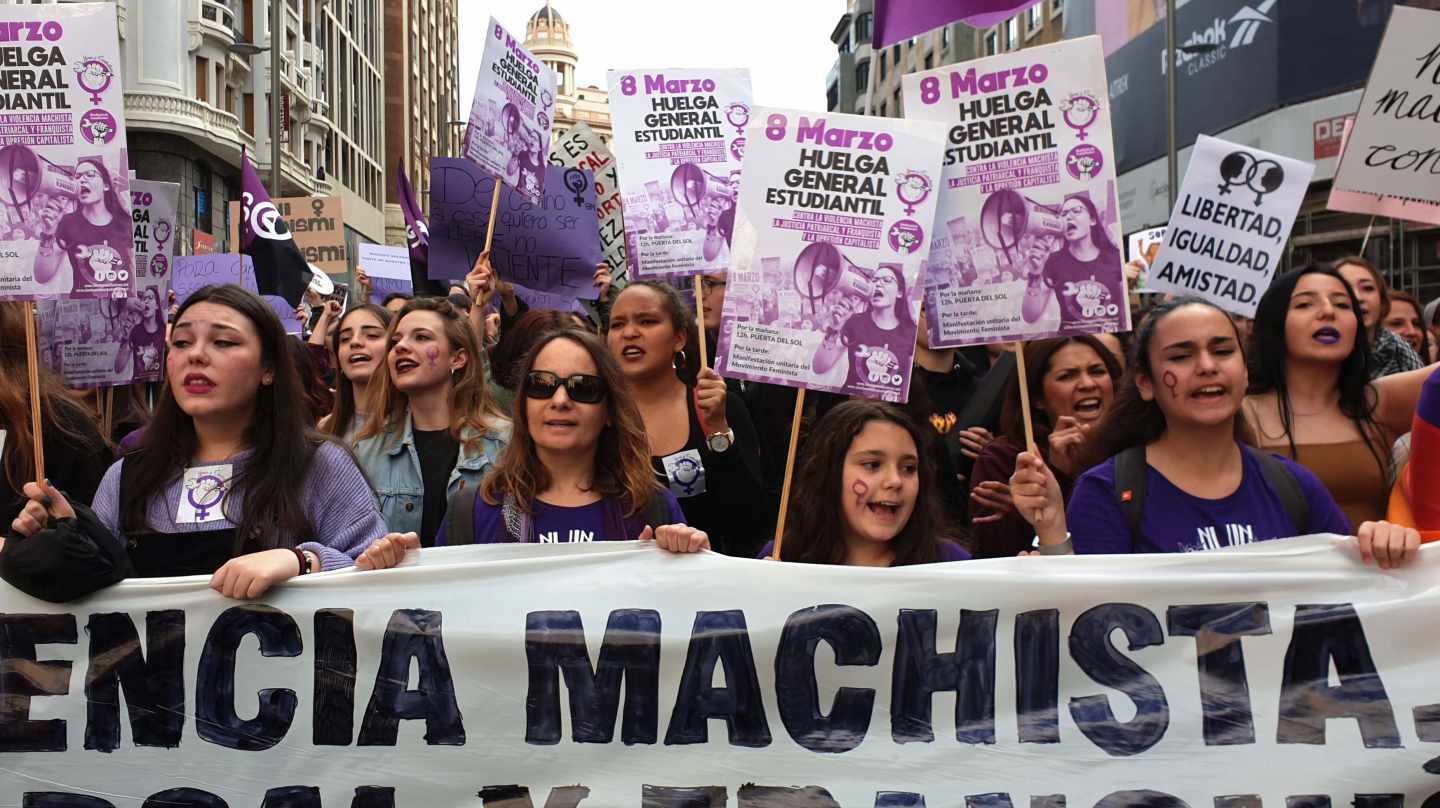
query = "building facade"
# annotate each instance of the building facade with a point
(197, 92)
(422, 97)
(547, 35)
(848, 86)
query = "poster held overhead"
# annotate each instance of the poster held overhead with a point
(679, 142)
(1392, 146)
(1231, 220)
(1028, 239)
(508, 135)
(830, 236)
(64, 168)
(1144, 245)
(581, 148)
(1395, 207)
(389, 270)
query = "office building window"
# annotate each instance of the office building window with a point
(1036, 17)
(862, 27)
(1012, 34)
(1057, 7)
(862, 76)
(992, 43)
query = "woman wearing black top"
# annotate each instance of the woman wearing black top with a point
(702, 443)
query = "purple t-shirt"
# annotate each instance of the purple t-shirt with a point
(94, 249)
(555, 524)
(1088, 291)
(949, 551)
(1177, 522)
(878, 357)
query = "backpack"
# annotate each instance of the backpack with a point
(1130, 468)
(460, 514)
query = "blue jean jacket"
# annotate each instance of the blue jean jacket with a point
(393, 467)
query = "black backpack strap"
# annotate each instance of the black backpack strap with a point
(1130, 473)
(460, 516)
(1285, 486)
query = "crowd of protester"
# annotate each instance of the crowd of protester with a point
(470, 418)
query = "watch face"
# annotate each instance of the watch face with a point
(719, 443)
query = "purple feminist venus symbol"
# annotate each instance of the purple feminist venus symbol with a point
(738, 115)
(912, 189)
(94, 75)
(200, 495)
(1080, 111)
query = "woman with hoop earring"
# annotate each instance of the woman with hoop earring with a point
(703, 445)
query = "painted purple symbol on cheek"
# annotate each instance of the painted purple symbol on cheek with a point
(861, 490)
(433, 356)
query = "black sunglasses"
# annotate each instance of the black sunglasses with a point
(582, 387)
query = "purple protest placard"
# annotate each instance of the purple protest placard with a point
(64, 171)
(550, 247)
(825, 286)
(192, 272)
(509, 131)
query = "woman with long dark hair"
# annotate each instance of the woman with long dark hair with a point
(1311, 391)
(872, 337)
(1388, 353)
(359, 347)
(76, 455)
(143, 348)
(1082, 275)
(432, 427)
(863, 494)
(702, 442)
(96, 235)
(1179, 474)
(228, 480)
(1072, 383)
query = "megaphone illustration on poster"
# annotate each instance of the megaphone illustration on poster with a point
(25, 174)
(709, 201)
(1009, 215)
(821, 269)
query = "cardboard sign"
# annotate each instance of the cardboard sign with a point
(552, 246)
(318, 226)
(514, 105)
(388, 268)
(827, 283)
(679, 140)
(581, 148)
(65, 219)
(1394, 149)
(1027, 242)
(1396, 207)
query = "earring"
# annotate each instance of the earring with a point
(681, 360)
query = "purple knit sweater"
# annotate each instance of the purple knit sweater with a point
(338, 500)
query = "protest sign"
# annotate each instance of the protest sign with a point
(1231, 220)
(1144, 246)
(1393, 147)
(318, 226)
(1027, 242)
(388, 268)
(679, 141)
(550, 246)
(582, 149)
(509, 131)
(193, 272)
(831, 231)
(1397, 207)
(1288, 674)
(64, 170)
(153, 206)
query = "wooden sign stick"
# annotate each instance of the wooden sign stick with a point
(32, 364)
(789, 472)
(700, 319)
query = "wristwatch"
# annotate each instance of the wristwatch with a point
(721, 442)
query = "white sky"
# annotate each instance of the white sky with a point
(785, 43)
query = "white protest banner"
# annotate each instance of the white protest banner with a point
(1396, 207)
(1144, 246)
(1230, 223)
(679, 141)
(64, 171)
(1030, 245)
(830, 238)
(1287, 675)
(509, 130)
(389, 270)
(581, 148)
(1394, 149)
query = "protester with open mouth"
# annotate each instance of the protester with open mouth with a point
(358, 345)
(227, 481)
(1388, 352)
(1088, 257)
(432, 428)
(1312, 394)
(1180, 475)
(871, 336)
(863, 494)
(702, 442)
(1072, 383)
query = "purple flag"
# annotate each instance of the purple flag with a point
(280, 268)
(417, 238)
(901, 19)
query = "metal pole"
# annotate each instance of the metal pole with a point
(1170, 95)
(277, 38)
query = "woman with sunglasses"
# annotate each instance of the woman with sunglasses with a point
(577, 468)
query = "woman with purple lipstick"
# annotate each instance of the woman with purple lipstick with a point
(1311, 394)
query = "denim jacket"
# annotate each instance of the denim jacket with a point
(394, 469)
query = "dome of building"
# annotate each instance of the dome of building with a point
(548, 14)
